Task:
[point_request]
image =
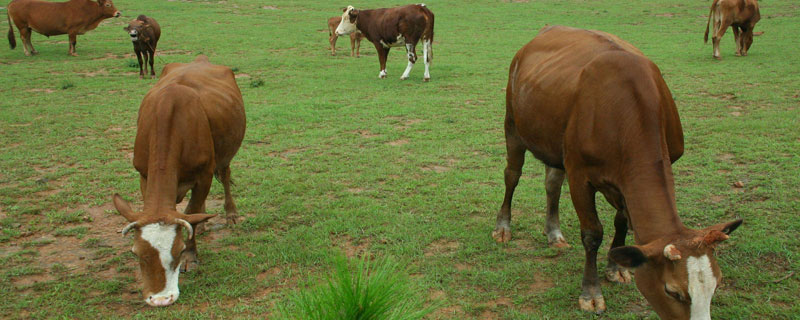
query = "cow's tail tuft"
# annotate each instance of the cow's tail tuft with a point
(12, 41)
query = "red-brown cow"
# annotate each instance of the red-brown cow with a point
(742, 15)
(591, 105)
(355, 38)
(191, 124)
(73, 17)
(393, 27)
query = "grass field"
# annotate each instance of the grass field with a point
(336, 161)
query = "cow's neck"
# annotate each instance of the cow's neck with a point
(363, 27)
(649, 195)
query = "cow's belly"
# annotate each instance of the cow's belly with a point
(400, 41)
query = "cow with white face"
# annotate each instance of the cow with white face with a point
(191, 124)
(159, 245)
(393, 27)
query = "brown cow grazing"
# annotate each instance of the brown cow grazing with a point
(742, 15)
(191, 123)
(355, 38)
(593, 107)
(73, 17)
(393, 27)
(144, 32)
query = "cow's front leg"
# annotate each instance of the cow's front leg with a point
(412, 57)
(591, 298)
(73, 41)
(615, 272)
(139, 57)
(737, 38)
(197, 204)
(383, 52)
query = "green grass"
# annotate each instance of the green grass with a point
(336, 160)
(360, 290)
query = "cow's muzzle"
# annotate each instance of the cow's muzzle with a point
(160, 301)
(117, 14)
(134, 35)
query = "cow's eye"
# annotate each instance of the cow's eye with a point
(674, 294)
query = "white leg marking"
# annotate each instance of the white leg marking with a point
(702, 284)
(426, 50)
(382, 74)
(161, 237)
(410, 54)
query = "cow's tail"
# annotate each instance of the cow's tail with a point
(708, 23)
(12, 41)
(428, 33)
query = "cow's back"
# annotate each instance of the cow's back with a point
(548, 88)
(219, 96)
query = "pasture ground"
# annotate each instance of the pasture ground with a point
(337, 162)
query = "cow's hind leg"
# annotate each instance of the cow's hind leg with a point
(25, 35)
(197, 204)
(73, 41)
(332, 41)
(412, 58)
(554, 178)
(583, 198)
(719, 31)
(514, 162)
(427, 54)
(224, 176)
(614, 272)
(738, 39)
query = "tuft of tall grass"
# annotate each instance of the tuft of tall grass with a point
(359, 290)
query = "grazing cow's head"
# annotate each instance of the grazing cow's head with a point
(108, 9)
(137, 28)
(348, 24)
(678, 275)
(159, 246)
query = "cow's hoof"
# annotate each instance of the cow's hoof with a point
(189, 261)
(403, 78)
(231, 218)
(558, 243)
(73, 54)
(718, 57)
(502, 234)
(141, 76)
(34, 52)
(594, 305)
(426, 79)
(619, 274)
(28, 54)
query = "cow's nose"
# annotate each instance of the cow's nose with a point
(160, 301)
(116, 15)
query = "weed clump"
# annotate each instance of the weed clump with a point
(66, 85)
(256, 83)
(361, 290)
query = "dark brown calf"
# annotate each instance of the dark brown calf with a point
(355, 38)
(393, 27)
(742, 15)
(144, 33)
(73, 17)
(592, 107)
(191, 124)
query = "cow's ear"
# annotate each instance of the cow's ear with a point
(124, 208)
(197, 217)
(354, 13)
(344, 9)
(127, 28)
(101, 1)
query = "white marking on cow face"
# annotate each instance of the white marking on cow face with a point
(702, 284)
(134, 34)
(161, 237)
(347, 26)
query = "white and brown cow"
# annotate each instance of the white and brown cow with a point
(393, 27)
(191, 124)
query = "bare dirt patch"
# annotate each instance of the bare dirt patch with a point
(364, 133)
(91, 74)
(351, 247)
(399, 142)
(45, 90)
(442, 247)
(241, 75)
(285, 153)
